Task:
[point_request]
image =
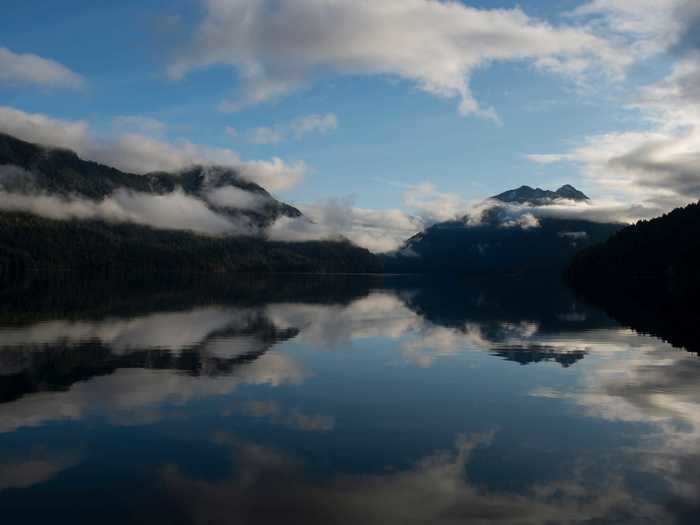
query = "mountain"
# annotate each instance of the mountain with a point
(61, 172)
(658, 258)
(540, 197)
(46, 178)
(501, 241)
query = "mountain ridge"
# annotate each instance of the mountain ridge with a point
(94, 244)
(502, 240)
(62, 172)
(540, 197)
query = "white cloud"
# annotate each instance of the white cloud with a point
(278, 46)
(674, 101)
(548, 158)
(171, 211)
(232, 197)
(36, 127)
(139, 124)
(32, 69)
(376, 230)
(432, 205)
(139, 153)
(655, 166)
(297, 128)
(274, 174)
(263, 135)
(314, 123)
(645, 27)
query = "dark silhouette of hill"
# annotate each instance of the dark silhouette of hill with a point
(490, 247)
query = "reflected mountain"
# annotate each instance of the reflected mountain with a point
(526, 355)
(55, 355)
(53, 335)
(536, 299)
(524, 320)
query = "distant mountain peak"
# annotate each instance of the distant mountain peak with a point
(540, 197)
(567, 191)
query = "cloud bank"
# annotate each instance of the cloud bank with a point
(376, 230)
(654, 164)
(657, 165)
(136, 152)
(278, 46)
(171, 211)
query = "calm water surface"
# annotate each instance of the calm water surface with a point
(340, 400)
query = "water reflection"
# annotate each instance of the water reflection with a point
(341, 400)
(434, 490)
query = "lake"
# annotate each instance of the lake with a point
(350, 400)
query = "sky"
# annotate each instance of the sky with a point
(398, 112)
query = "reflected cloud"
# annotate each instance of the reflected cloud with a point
(387, 314)
(175, 331)
(380, 314)
(655, 385)
(294, 418)
(436, 489)
(134, 396)
(140, 369)
(39, 468)
(127, 368)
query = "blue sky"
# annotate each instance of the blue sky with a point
(391, 132)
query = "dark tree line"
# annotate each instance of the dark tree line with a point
(658, 257)
(34, 244)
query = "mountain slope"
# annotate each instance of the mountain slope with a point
(62, 172)
(498, 241)
(89, 244)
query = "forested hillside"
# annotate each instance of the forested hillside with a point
(658, 257)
